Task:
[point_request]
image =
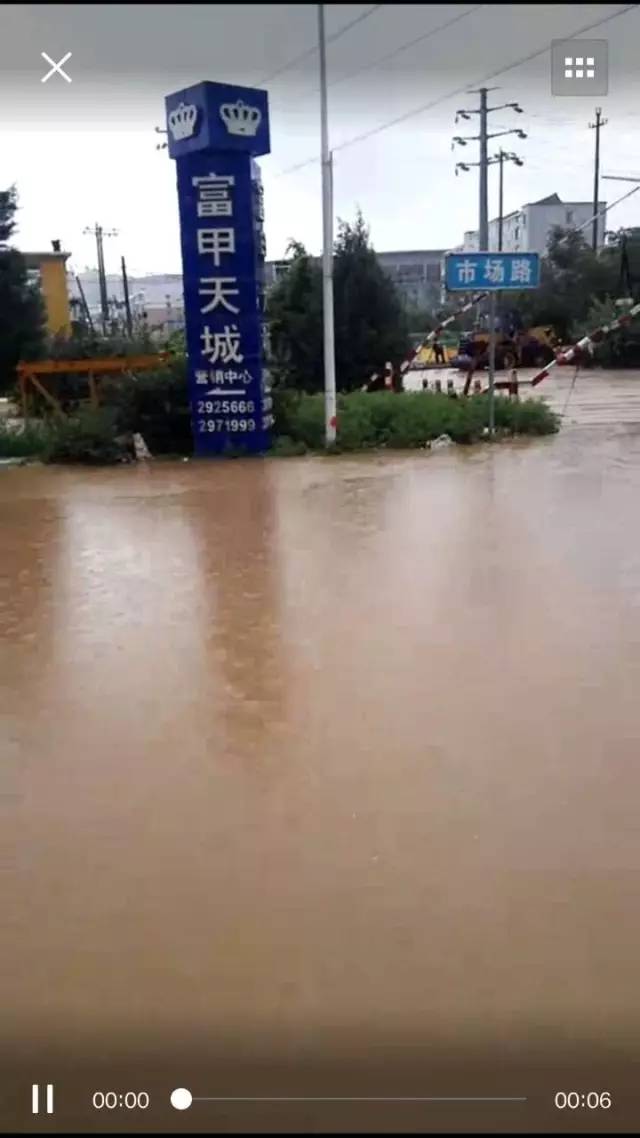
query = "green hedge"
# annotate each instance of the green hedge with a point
(382, 419)
(156, 406)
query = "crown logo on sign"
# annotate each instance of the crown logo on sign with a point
(240, 119)
(182, 121)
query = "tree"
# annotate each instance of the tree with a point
(294, 312)
(371, 325)
(572, 279)
(370, 322)
(22, 314)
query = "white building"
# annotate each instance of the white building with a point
(527, 230)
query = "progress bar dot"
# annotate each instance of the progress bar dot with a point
(181, 1098)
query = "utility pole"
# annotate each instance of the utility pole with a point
(327, 246)
(100, 233)
(127, 303)
(597, 126)
(483, 230)
(501, 157)
(484, 163)
(85, 306)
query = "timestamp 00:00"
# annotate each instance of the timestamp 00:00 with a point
(593, 1100)
(111, 1100)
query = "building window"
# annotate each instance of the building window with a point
(569, 216)
(433, 273)
(408, 272)
(517, 233)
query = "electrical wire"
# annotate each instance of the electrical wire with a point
(458, 91)
(399, 50)
(484, 79)
(312, 50)
(407, 45)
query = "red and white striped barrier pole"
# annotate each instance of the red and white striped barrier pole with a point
(593, 338)
(406, 363)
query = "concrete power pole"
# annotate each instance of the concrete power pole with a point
(597, 126)
(501, 157)
(483, 138)
(127, 302)
(100, 233)
(327, 246)
(483, 228)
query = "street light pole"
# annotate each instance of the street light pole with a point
(483, 234)
(330, 421)
(501, 157)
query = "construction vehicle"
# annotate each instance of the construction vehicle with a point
(530, 347)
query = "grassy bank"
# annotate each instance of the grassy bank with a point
(157, 408)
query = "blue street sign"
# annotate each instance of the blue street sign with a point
(221, 216)
(491, 272)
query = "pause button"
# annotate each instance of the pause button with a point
(35, 1098)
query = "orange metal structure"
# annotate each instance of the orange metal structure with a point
(32, 373)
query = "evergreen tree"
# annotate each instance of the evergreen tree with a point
(22, 315)
(370, 322)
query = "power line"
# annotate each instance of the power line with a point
(484, 79)
(407, 45)
(313, 50)
(459, 90)
(403, 47)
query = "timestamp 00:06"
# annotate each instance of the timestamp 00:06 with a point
(573, 1100)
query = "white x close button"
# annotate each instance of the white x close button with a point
(55, 68)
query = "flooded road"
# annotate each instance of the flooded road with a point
(321, 775)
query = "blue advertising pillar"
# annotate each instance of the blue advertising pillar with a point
(214, 132)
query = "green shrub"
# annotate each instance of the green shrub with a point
(286, 447)
(285, 405)
(526, 417)
(307, 421)
(90, 437)
(155, 404)
(22, 442)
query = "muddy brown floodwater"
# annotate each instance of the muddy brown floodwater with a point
(320, 778)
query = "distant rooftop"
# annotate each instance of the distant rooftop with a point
(552, 199)
(34, 260)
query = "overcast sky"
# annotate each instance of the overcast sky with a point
(85, 151)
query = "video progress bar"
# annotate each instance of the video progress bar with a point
(363, 1098)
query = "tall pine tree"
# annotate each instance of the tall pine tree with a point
(22, 316)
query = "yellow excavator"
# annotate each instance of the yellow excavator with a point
(531, 347)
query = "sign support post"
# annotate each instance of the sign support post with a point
(493, 273)
(492, 363)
